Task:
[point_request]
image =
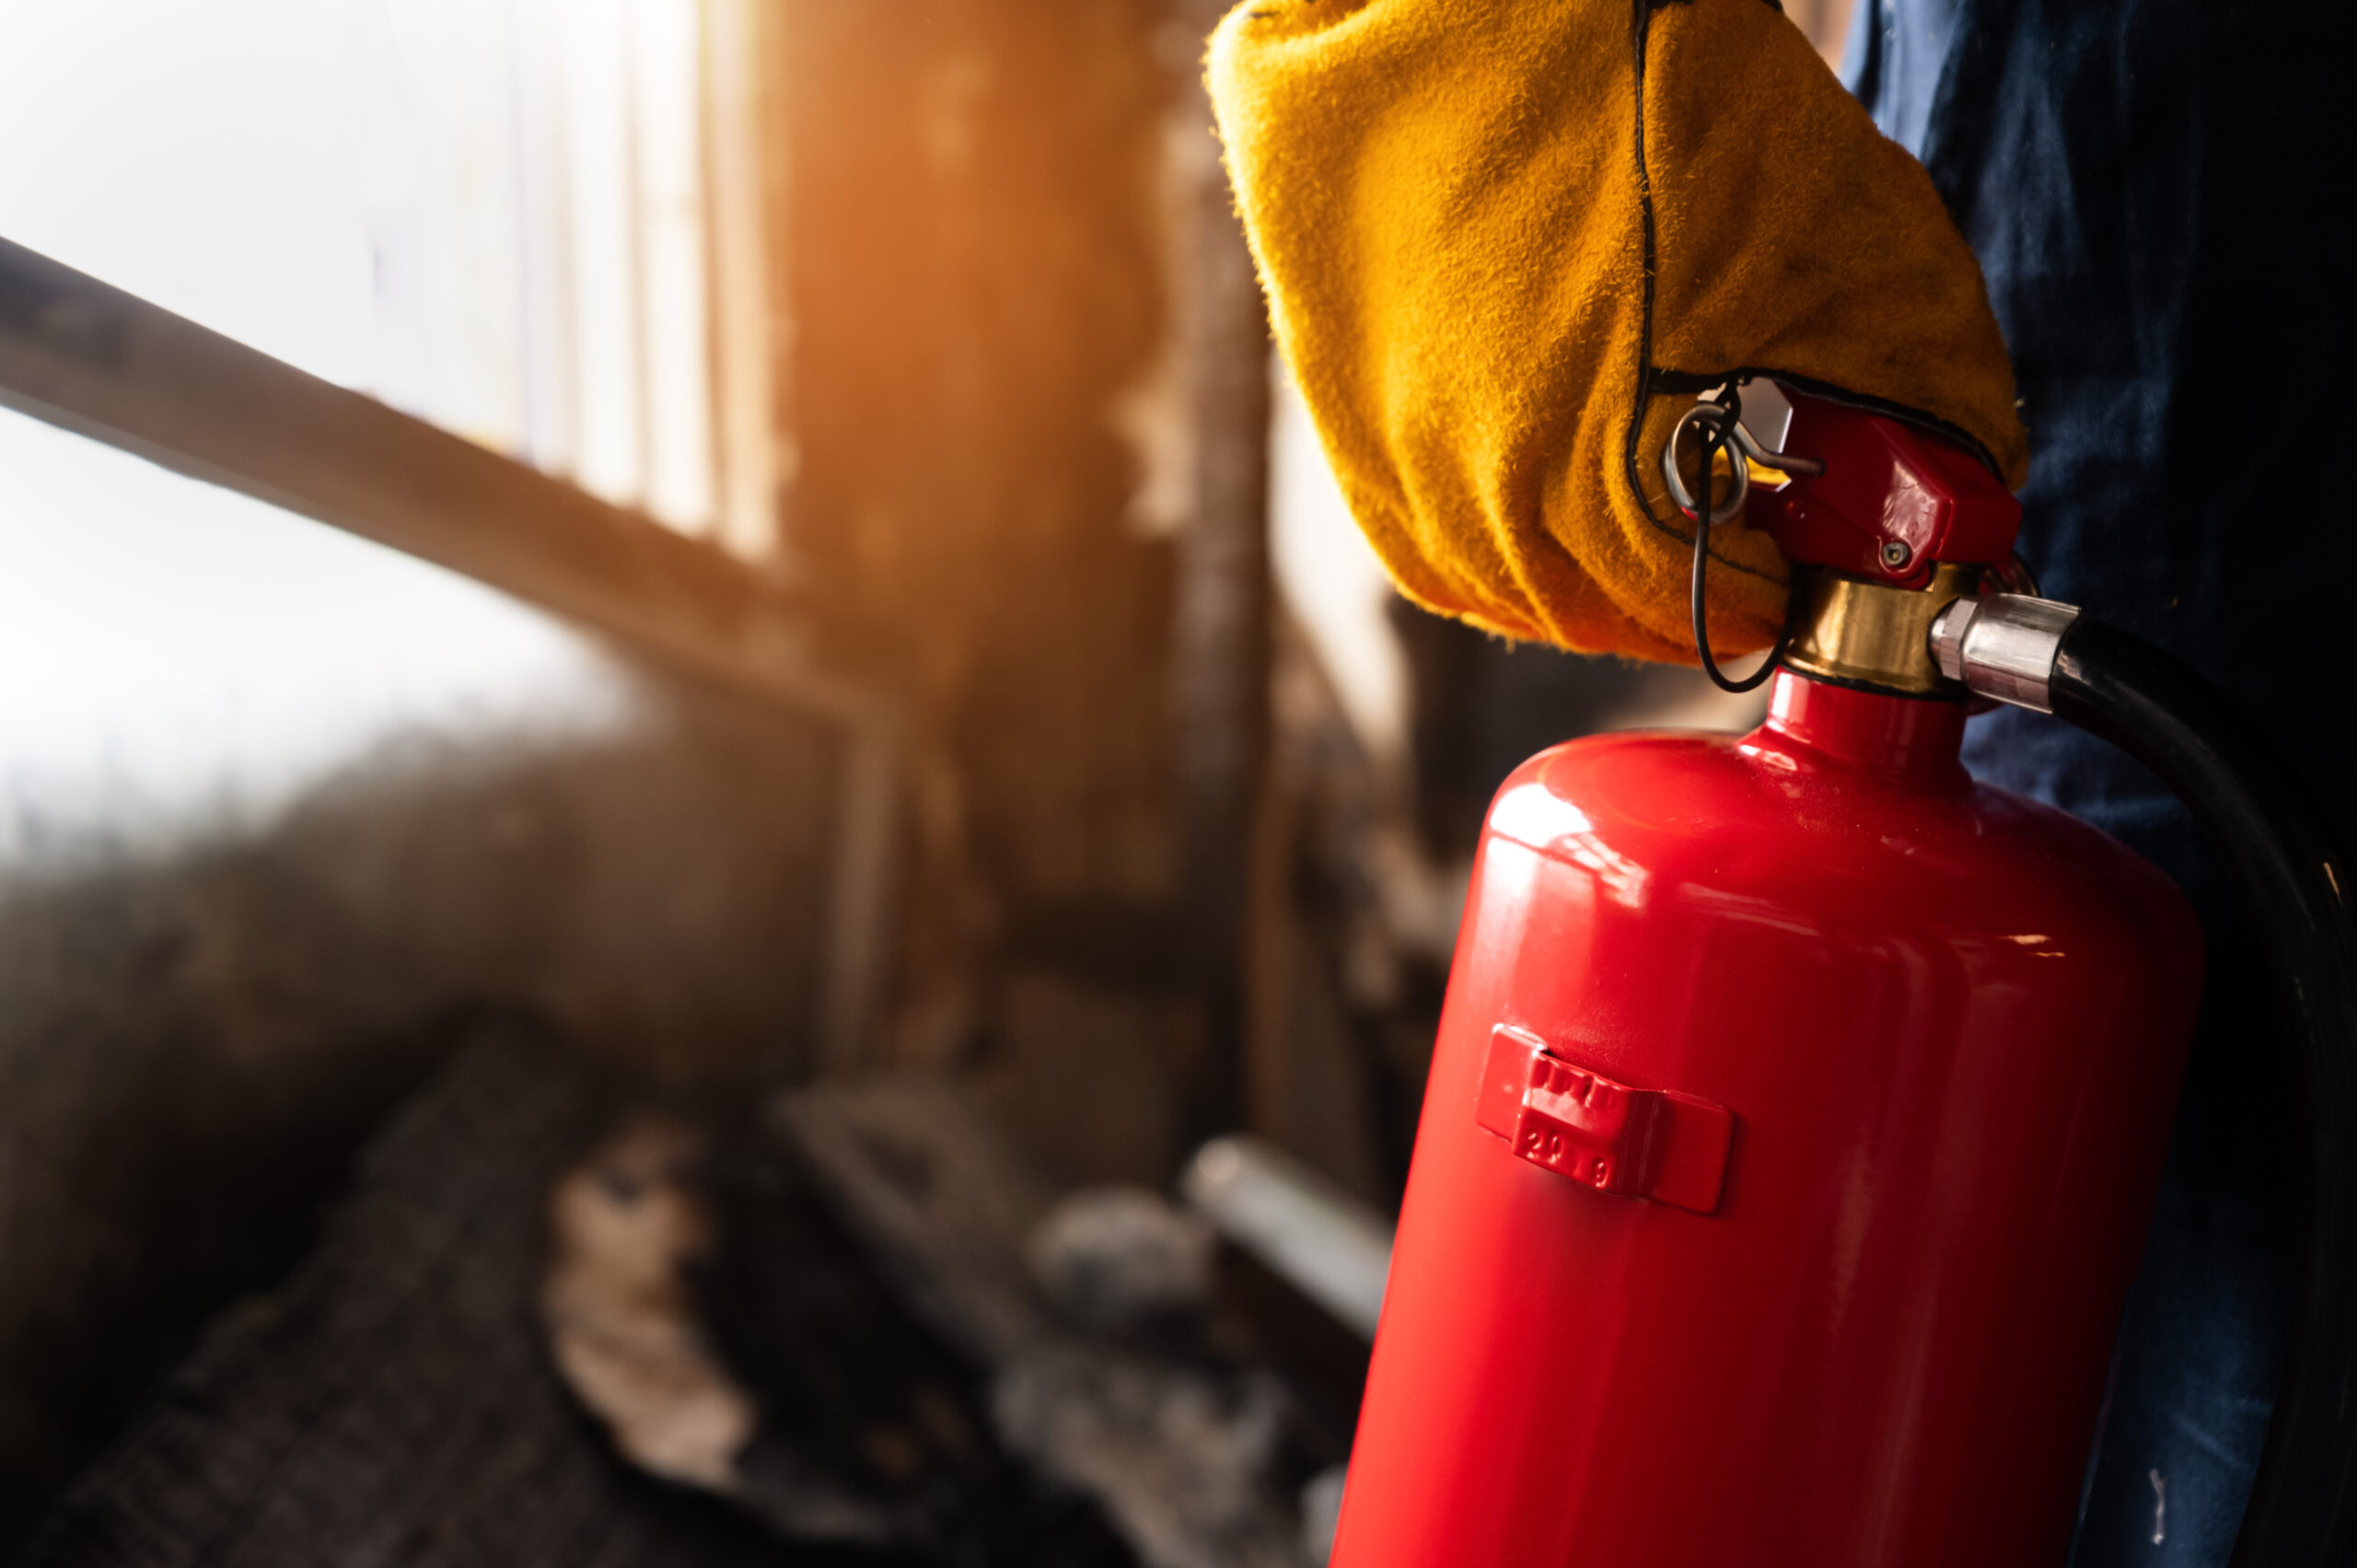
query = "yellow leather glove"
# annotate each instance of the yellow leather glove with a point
(1507, 241)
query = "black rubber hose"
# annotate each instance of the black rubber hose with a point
(2295, 889)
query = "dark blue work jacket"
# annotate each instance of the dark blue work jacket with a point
(2159, 195)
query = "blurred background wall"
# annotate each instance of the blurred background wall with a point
(932, 319)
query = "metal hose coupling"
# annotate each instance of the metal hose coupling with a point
(2003, 647)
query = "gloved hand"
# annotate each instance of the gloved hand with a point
(1505, 242)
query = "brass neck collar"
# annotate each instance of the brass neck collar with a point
(1872, 634)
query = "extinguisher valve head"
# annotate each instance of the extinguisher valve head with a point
(2002, 646)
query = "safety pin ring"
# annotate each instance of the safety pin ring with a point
(1720, 420)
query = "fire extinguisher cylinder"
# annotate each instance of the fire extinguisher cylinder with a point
(1797, 1107)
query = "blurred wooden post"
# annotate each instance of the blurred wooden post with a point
(1221, 674)
(745, 161)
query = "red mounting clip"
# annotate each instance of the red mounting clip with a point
(1653, 1144)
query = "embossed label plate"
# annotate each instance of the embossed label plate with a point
(1655, 1144)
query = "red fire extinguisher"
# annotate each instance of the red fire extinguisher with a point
(1798, 1104)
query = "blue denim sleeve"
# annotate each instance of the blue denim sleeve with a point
(2153, 189)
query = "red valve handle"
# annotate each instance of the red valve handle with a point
(1892, 500)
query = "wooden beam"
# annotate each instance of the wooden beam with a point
(87, 356)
